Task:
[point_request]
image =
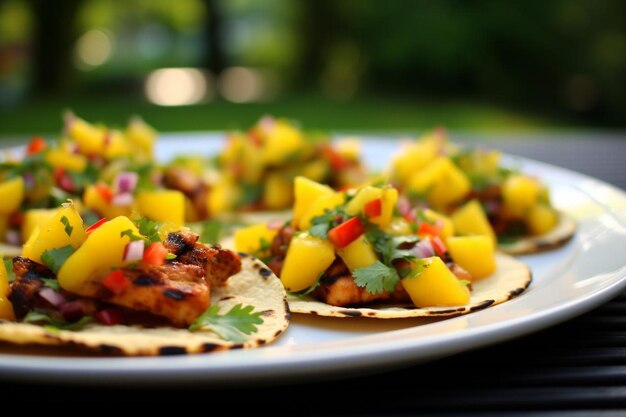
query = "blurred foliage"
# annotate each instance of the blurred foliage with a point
(562, 59)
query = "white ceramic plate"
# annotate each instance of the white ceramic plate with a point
(567, 282)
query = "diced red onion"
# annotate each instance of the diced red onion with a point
(266, 124)
(423, 249)
(52, 296)
(403, 205)
(72, 311)
(125, 182)
(275, 224)
(134, 251)
(13, 237)
(124, 199)
(29, 180)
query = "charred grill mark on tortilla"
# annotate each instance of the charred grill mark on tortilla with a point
(265, 273)
(482, 305)
(172, 350)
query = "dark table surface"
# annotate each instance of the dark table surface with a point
(575, 368)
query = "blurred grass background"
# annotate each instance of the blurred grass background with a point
(345, 65)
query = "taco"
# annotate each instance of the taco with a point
(471, 185)
(349, 254)
(136, 287)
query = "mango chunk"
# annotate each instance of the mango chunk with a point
(540, 219)
(411, 158)
(305, 192)
(61, 158)
(11, 195)
(35, 218)
(435, 286)
(519, 194)
(319, 207)
(6, 309)
(102, 251)
(64, 228)
(470, 219)
(358, 254)
(162, 205)
(95, 201)
(475, 254)
(447, 227)
(278, 192)
(307, 257)
(442, 182)
(282, 142)
(223, 197)
(250, 239)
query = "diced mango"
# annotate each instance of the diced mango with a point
(442, 182)
(278, 191)
(11, 195)
(61, 158)
(142, 136)
(481, 162)
(435, 286)
(281, 143)
(399, 227)
(412, 158)
(470, 219)
(223, 197)
(540, 219)
(249, 239)
(90, 138)
(307, 257)
(319, 207)
(162, 205)
(316, 170)
(305, 192)
(358, 254)
(64, 228)
(27, 247)
(6, 309)
(94, 259)
(390, 199)
(35, 218)
(349, 148)
(95, 201)
(116, 145)
(363, 196)
(475, 254)
(519, 194)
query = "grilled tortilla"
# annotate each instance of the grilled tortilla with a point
(511, 278)
(562, 233)
(255, 285)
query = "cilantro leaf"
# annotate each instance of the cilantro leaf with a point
(55, 258)
(8, 265)
(387, 245)
(68, 226)
(148, 228)
(320, 230)
(230, 326)
(376, 278)
(132, 236)
(55, 324)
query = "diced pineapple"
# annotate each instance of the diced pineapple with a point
(305, 192)
(162, 205)
(519, 194)
(250, 239)
(11, 195)
(102, 251)
(35, 218)
(278, 191)
(436, 285)
(319, 207)
(475, 254)
(64, 228)
(61, 158)
(358, 254)
(470, 219)
(307, 257)
(540, 219)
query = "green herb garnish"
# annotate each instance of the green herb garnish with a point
(68, 226)
(54, 324)
(55, 258)
(51, 283)
(231, 326)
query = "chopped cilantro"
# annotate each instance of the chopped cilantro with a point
(212, 231)
(376, 278)
(387, 245)
(231, 326)
(320, 225)
(320, 230)
(250, 194)
(51, 283)
(55, 324)
(55, 258)
(132, 236)
(8, 265)
(148, 228)
(68, 226)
